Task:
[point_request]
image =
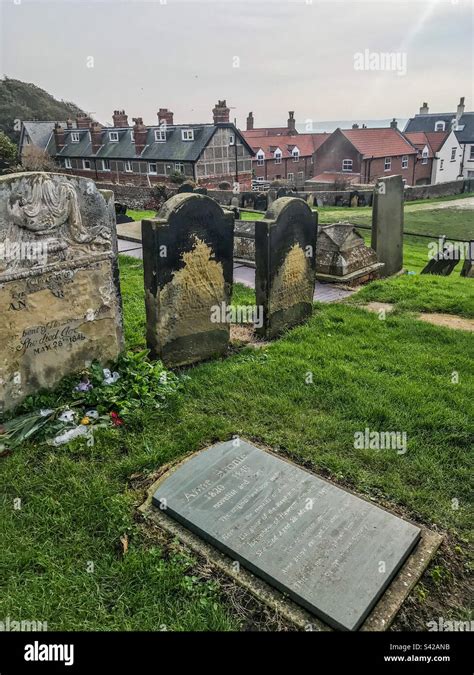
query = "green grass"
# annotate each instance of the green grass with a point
(140, 215)
(77, 502)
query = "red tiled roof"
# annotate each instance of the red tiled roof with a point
(267, 131)
(433, 140)
(306, 143)
(382, 142)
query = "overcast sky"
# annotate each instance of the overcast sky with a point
(268, 56)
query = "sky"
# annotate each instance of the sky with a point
(321, 58)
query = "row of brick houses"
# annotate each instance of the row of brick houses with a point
(208, 154)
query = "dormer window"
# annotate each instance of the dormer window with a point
(132, 137)
(347, 164)
(277, 156)
(296, 155)
(440, 125)
(113, 136)
(160, 135)
(424, 156)
(187, 135)
(260, 158)
(74, 137)
(232, 139)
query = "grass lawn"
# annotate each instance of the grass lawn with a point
(78, 501)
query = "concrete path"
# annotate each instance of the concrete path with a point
(246, 275)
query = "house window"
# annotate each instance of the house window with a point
(387, 164)
(160, 135)
(347, 164)
(453, 154)
(441, 167)
(187, 135)
(132, 137)
(300, 175)
(127, 166)
(277, 157)
(113, 136)
(152, 169)
(440, 126)
(405, 162)
(471, 153)
(67, 163)
(424, 156)
(74, 137)
(86, 164)
(179, 168)
(104, 165)
(231, 139)
(260, 159)
(296, 155)
(291, 176)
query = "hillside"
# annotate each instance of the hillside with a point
(25, 101)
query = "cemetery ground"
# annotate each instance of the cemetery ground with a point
(78, 556)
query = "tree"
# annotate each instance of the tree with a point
(8, 152)
(36, 159)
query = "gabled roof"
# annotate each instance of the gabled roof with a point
(173, 149)
(379, 142)
(433, 141)
(306, 143)
(39, 133)
(428, 121)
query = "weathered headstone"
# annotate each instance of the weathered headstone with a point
(285, 260)
(185, 188)
(468, 265)
(188, 267)
(59, 282)
(444, 261)
(261, 202)
(330, 551)
(387, 223)
(235, 202)
(342, 255)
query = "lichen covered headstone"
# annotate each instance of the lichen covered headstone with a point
(188, 267)
(285, 260)
(59, 282)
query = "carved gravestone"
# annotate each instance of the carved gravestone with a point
(188, 267)
(285, 260)
(261, 202)
(342, 255)
(387, 223)
(468, 265)
(59, 282)
(329, 550)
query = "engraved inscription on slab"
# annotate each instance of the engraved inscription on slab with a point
(329, 550)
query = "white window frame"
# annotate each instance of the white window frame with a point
(127, 166)
(277, 155)
(290, 176)
(113, 136)
(405, 162)
(178, 169)
(441, 123)
(471, 154)
(160, 135)
(296, 155)
(347, 165)
(75, 137)
(67, 163)
(300, 175)
(424, 156)
(84, 162)
(155, 172)
(132, 136)
(453, 154)
(187, 134)
(232, 139)
(260, 158)
(387, 166)
(105, 165)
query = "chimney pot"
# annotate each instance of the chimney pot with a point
(221, 113)
(394, 124)
(139, 134)
(424, 110)
(250, 121)
(460, 109)
(291, 122)
(165, 117)
(59, 137)
(120, 119)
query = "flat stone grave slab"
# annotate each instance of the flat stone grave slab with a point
(330, 551)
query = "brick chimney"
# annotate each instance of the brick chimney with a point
(165, 117)
(139, 134)
(83, 121)
(355, 126)
(120, 119)
(460, 109)
(394, 124)
(424, 110)
(250, 121)
(291, 123)
(96, 136)
(221, 112)
(59, 137)
(69, 123)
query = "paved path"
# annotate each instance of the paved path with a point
(246, 275)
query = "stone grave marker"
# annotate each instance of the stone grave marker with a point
(468, 265)
(59, 282)
(387, 223)
(285, 260)
(188, 268)
(329, 550)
